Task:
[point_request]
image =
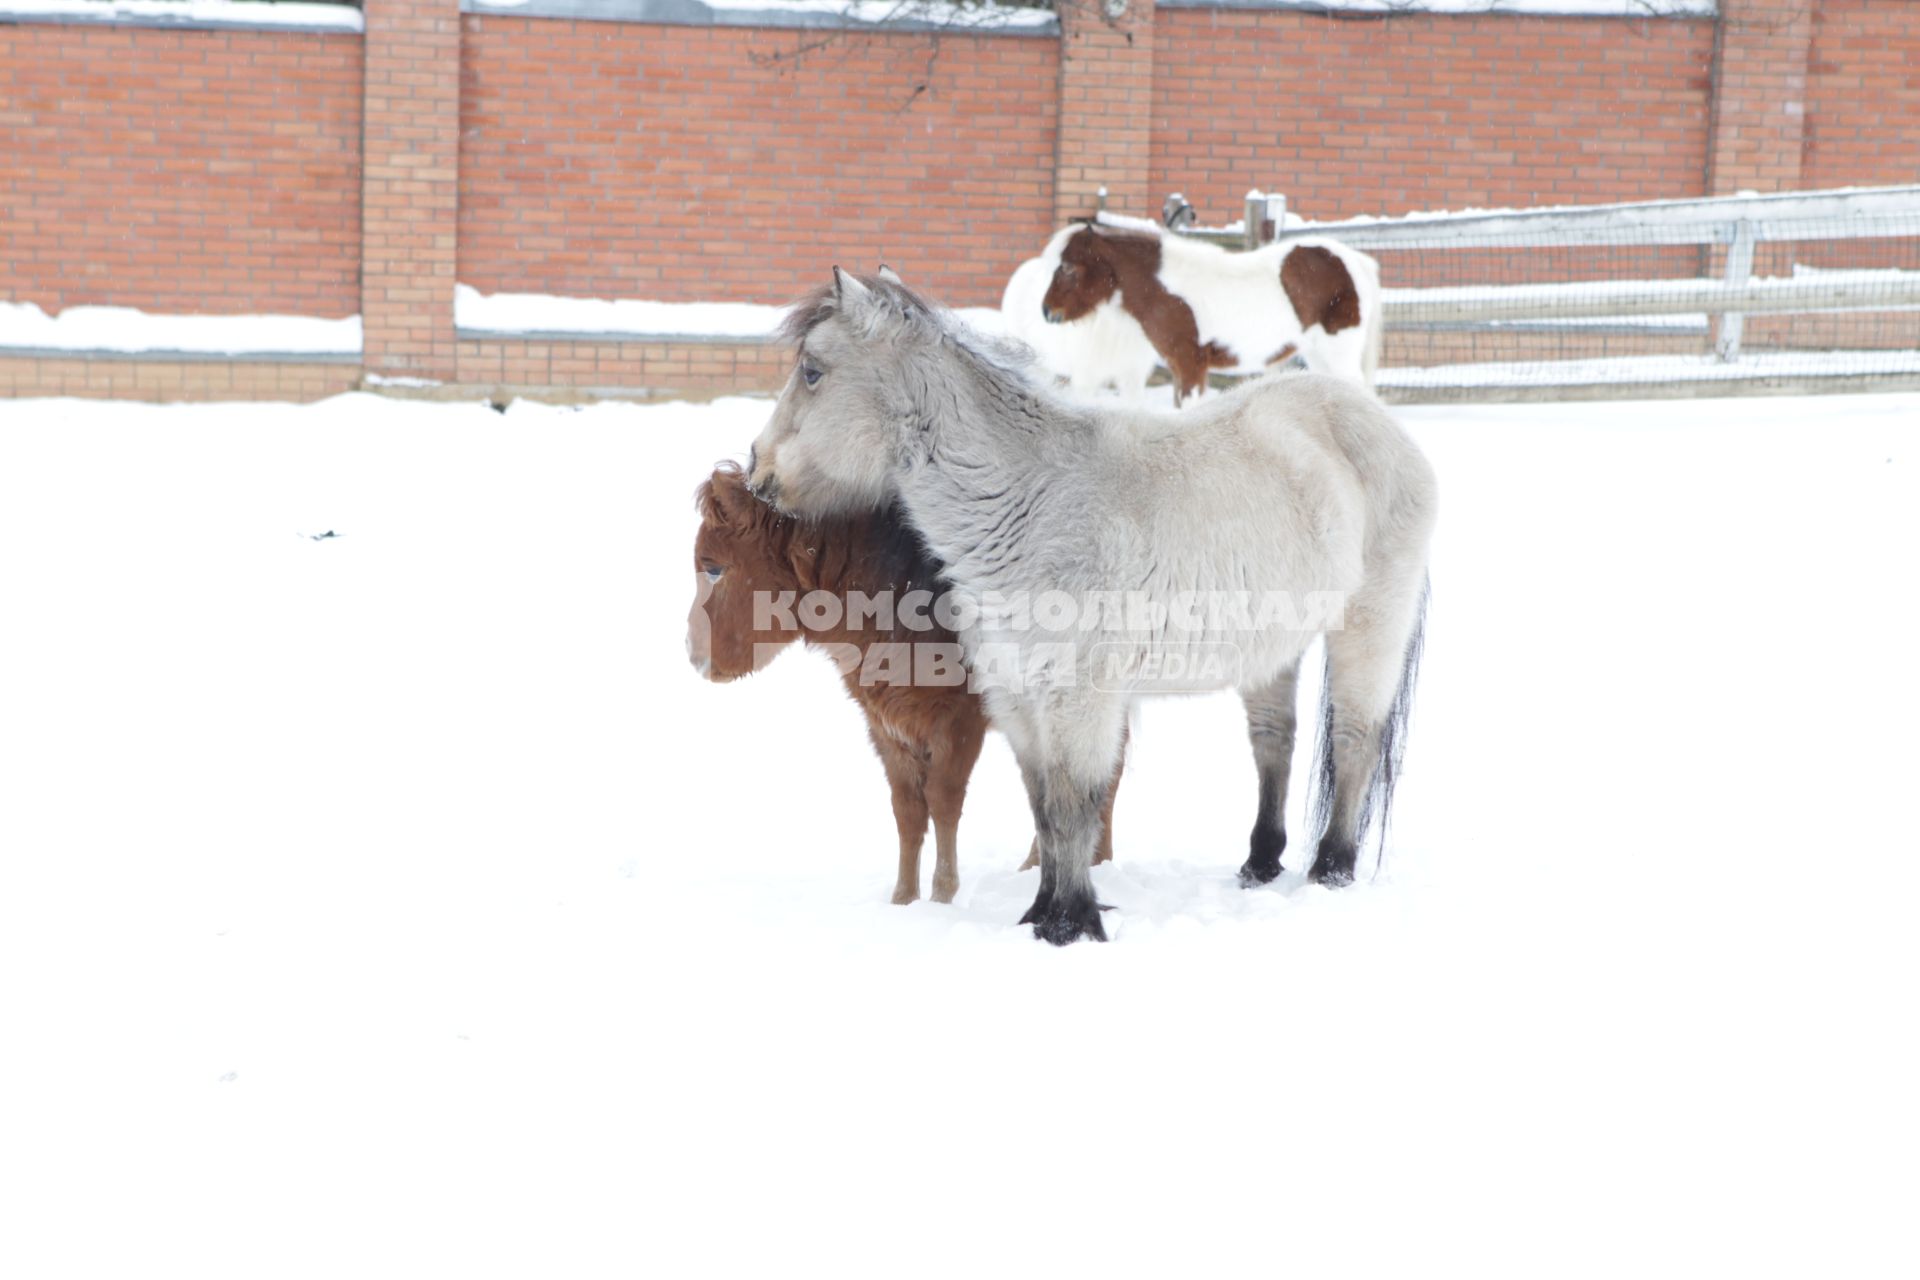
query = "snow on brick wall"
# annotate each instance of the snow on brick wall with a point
(675, 163)
(180, 171)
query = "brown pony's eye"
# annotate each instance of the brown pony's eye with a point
(713, 571)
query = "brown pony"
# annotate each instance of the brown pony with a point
(927, 731)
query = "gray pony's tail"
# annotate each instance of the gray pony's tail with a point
(1378, 801)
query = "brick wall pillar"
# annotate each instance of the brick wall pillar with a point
(1759, 95)
(410, 186)
(1106, 108)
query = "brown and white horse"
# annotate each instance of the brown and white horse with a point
(1204, 308)
(928, 734)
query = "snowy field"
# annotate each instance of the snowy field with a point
(401, 904)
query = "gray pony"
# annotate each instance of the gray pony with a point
(1104, 552)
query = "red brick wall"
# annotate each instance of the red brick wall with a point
(1863, 94)
(183, 171)
(613, 160)
(1417, 112)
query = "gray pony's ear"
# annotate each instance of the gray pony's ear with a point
(847, 289)
(891, 276)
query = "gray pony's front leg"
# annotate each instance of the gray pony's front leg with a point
(1068, 769)
(1068, 822)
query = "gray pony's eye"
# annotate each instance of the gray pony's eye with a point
(809, 374)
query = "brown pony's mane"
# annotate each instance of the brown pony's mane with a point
(744, 517)
(868, 552)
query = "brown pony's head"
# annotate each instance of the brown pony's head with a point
(742, 553)
(1085, 278)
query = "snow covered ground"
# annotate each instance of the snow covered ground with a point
(399, 903)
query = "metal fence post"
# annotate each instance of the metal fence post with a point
(1739, 271)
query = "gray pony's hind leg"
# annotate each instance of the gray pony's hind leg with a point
(1371, 667)
(1271, 721)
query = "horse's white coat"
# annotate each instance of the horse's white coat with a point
(1106, 348)
(1295, 484)
(1238, 302)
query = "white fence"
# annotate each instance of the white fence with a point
(1805, 290)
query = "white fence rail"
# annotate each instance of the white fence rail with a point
(1574, 285)
(1652, 298)
(1863, 212)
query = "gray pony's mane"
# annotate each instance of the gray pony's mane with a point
(924, 319)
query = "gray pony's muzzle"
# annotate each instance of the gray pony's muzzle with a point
(765, 490)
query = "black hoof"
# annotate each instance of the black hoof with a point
(1263, 860)
(1254, 873)
(1064, 922)
(1333, 863)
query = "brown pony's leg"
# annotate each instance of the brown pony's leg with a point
(907, 775)
(954, 755)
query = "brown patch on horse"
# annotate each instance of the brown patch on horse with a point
(1096, 263)
(1285, 353)
(1084, 279)
(928, 736)
(1320, 289)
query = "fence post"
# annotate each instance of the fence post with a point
(1739, 271)
(1256, 212)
